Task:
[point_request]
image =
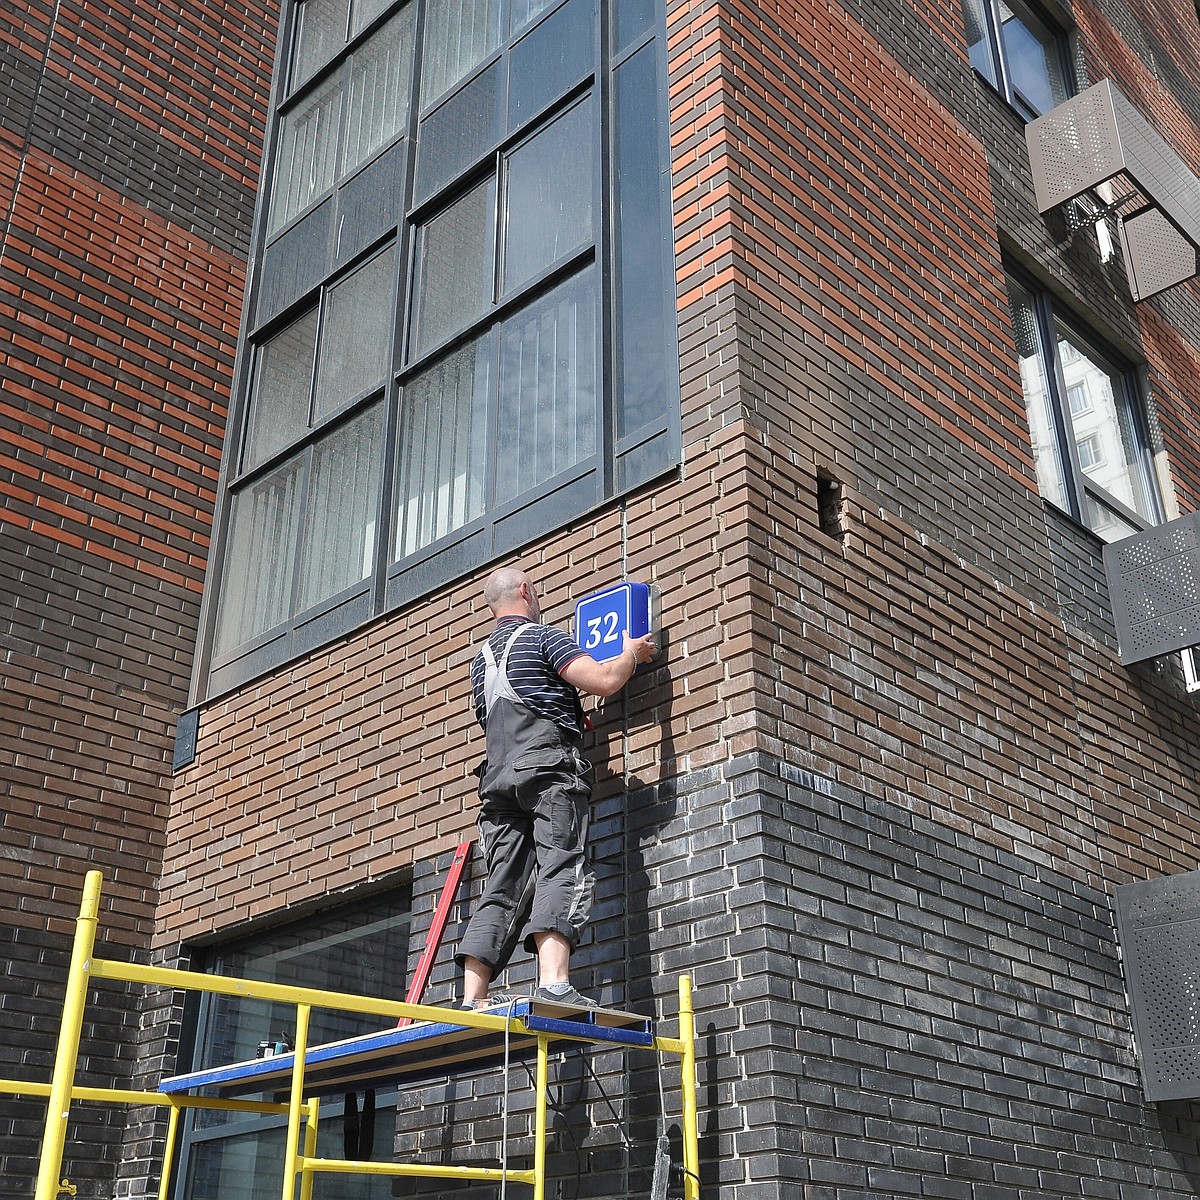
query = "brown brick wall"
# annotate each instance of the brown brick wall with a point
(841, 308)
(119, 334)
(129, 141)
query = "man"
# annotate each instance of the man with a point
(534, 790)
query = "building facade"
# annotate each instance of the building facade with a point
(754, 303)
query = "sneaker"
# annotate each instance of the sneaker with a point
(564, 993)
(497, 1000)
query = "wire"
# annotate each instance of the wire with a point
(504, 1098)
(630, 1144)
(560, 1108)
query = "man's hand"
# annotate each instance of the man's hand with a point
(609, 677)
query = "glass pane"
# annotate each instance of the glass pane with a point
(363, 12)
(443, 448)
(380, 86)
(1105, 433)
(256, 583)
(460, 131)
(459, 35)
(522, 12)
(644, 291)
(356, 337)
(1031, 53)
(454, 264)
(307, 162)
(547, 412)
(320, 34)
(339, 534)
(1043, 431)
(362, 951)
(978, 18)
(1106, 522)
(551, 60)
(630, 20)
(548, 196)
(247, 1166)
(282, 385)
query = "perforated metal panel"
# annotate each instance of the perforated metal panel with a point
(1158, 924)
(1157, 255)
(1099, 135)
(1074, 147)
(1154, 586)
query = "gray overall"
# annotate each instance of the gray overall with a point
(533, 820)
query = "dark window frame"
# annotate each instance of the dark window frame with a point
(1001, 76)
(623, 461)
(1079, 489)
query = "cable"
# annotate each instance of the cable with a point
(560, 1109)
(662, 1145)
(504, 1098)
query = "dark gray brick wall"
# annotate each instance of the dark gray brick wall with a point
(31, 1004)
(887, 1006)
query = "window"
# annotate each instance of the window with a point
(463, 328)
(348, 114)
(362, 950)
(302, 529)
(1078, 399)
(1020, 53)
(1086, 419)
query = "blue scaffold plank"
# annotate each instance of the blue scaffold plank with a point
(422, 1050)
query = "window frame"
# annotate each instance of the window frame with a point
(1078, 488)
(295, 264)
(397, 895)
(1001, 80)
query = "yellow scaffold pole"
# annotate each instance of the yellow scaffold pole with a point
(687, 1082)
(539, 1136)
(169, 1151)
(58, 1108)
(292, 1165)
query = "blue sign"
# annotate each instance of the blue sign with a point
(602, 617)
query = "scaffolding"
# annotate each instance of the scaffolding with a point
(429, 1041)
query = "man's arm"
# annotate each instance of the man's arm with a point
(609, 677)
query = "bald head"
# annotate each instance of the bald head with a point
(509, 592)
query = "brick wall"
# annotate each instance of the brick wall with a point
(877, 795)
(129, 142)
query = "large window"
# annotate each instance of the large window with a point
(1020, 52)
(462, 326)
(362, 950)
(1086, 419)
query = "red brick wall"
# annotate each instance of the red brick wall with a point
(129, 138)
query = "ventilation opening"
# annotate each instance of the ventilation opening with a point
(830, 509)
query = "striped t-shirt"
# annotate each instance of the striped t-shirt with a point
(540, 652)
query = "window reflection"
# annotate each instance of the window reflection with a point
(279, 401)
(547, 418)
(355, 334)
(1019, 53)
(442, 464)
(260, 560)
(548, 197)
(454, 265)
(1088, 446)
(1106, 441)
(1033, 57)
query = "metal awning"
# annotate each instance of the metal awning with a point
(1099, 137)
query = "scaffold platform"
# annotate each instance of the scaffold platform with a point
(428, 1042)
(419, 1052)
